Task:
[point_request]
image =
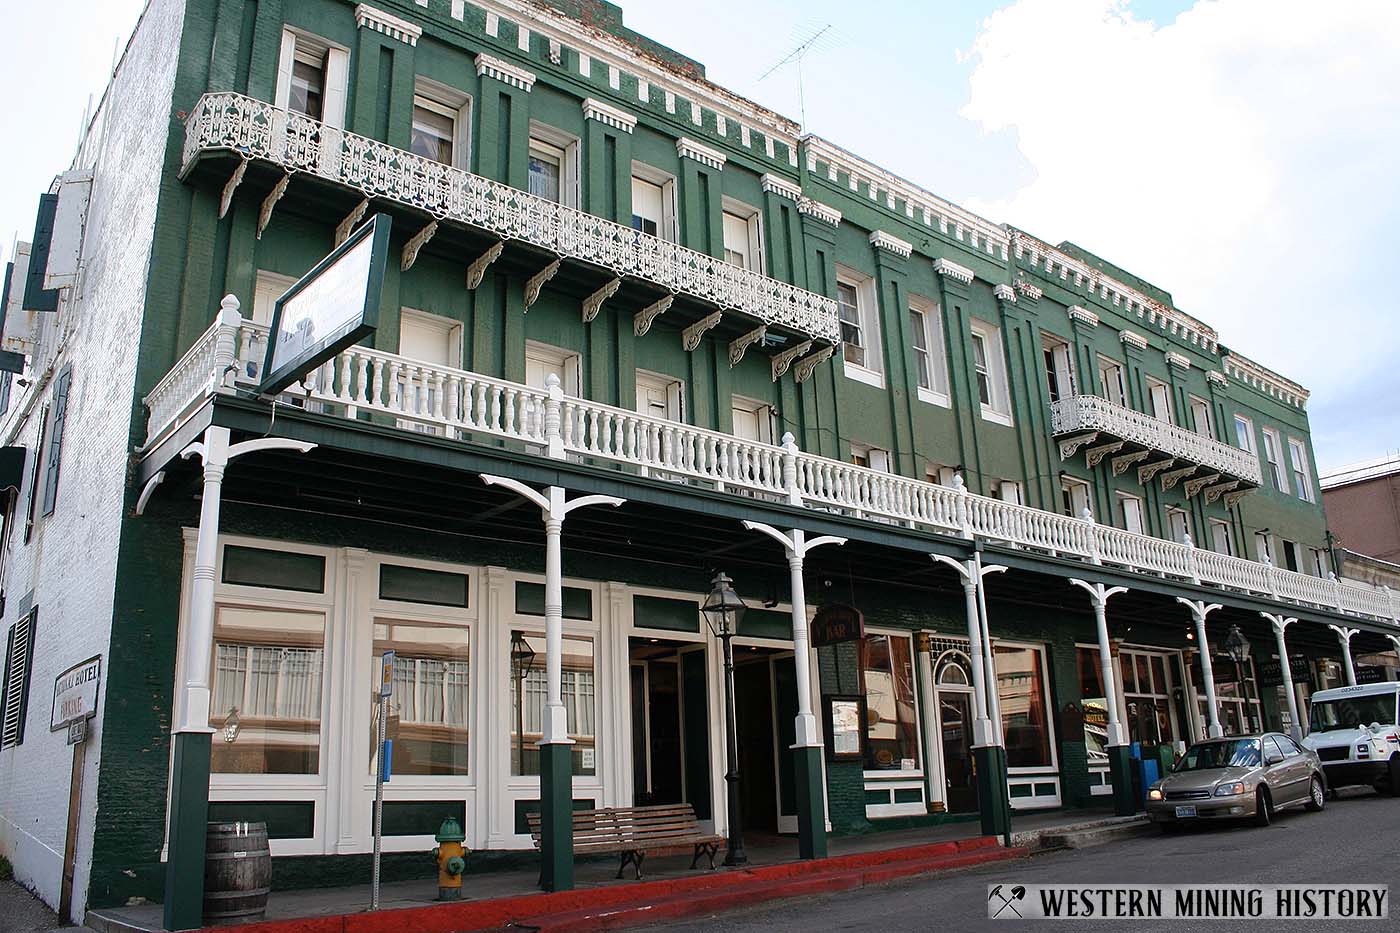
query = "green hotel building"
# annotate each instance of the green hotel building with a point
(635, 330)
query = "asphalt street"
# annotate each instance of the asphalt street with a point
(1351, 842)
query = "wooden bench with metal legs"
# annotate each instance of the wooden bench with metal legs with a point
(633, 833)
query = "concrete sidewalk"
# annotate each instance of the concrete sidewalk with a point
(595, 878)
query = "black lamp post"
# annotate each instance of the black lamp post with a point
(1238, 648)
(522, 658)
(722, 610)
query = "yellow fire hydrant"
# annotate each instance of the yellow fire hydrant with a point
(451, 857)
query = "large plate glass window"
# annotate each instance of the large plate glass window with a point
(528, 692)
(1025, 720)
(892, 729)
(266, 705)
(429, 711)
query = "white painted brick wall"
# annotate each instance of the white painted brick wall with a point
(70, 562)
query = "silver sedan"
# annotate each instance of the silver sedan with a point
(1241, 777)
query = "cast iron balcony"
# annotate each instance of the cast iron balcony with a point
(258, 131)
(1155, 446)
(471, 408)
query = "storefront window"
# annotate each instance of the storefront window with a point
(1021, 689)
(429, 709)
(532, 687)
(266, 703)
(1146, 698)
(891, 730)
(1094, 705)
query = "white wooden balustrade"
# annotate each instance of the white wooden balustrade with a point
(1081, 413)
(255, 129)
(363, 383)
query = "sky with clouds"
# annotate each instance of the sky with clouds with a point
(1238, 153)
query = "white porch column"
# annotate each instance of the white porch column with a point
(981, 725)
(1199, 610)
(1344, 636)
(988, 656)
(933, 775)
(1099, 595)
(796, 544)
(1280, 623)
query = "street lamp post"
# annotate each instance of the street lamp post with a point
(722, 610)
(1237, 646)
(522, 658)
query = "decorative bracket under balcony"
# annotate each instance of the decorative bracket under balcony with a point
(1193, 486)
(1094, 456)
(1216, 491)
(1071, 445)
(738, 345)
(1172, 477)
(1121, 464)
(641, 321)
(783, 360)
(1149, 470)
(594, 302)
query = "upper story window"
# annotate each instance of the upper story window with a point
(1130, 512)
(939, 474)
(930, 364)
(1159, 396)
(1319, 563)
(430, 338)
(1290, 556)
(653, 202)
(1074, 495)
(1200, 417)
(1008, 490)
(541, 360)
(1111, 381)
(742, 235)
(863, 455)
(1178, 524)
(1273, 453)
(990, 365)
(441, 118)
(1302, 474)
(860, 330)
(753, 420)
(1244, 433)
(312, 77)
(1059, 368)
(553, 167)
(1220, 540)
(660, 396)
(1262, 550)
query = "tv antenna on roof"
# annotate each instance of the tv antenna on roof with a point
(796, 55)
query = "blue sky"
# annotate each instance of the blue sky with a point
(1238, 153)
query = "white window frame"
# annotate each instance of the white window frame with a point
(1302, 469)
(1121, 499)
(334, 60)
(1245, 441)
(675, 393)
(901, 779)
(871, 371)
(1284, 546)
(666, 227)
(1273, 456)
(1060, 379)
(564, 363)
(1009, 490)
(267, 288)
(752, 218)
(998, 410)
(1176, 514)
(930, 322)
(451, 330)
(1263, 547)
(877, 458)
(1220, 534)
(1159, 392)
(451, 103)
(762, 411)
(1200, 411)
(939, 475)
(1118, 393)
(1074, 488)
(1038, 774)
(1321, 565)
(556, 144)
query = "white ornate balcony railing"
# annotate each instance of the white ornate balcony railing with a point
(255, 129)
(1082, 413)
(454, 403)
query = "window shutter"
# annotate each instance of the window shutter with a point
(70, 220)
(34, 476)
(36, 298)
(59, 414)
(19, 651)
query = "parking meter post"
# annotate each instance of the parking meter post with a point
(386, 688)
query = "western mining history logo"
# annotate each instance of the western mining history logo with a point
(1188, 902)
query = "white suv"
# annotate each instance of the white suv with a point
(1355, 732)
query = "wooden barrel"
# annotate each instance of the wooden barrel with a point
(237, 872)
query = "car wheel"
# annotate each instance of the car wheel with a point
(1263, 809)
(1394, 777)
(1317, 798)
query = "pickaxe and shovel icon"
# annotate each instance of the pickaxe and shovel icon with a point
(1007, 900)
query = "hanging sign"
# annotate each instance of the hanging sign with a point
(332, 307)
(837, 622)
(75, 694)
(386, 674)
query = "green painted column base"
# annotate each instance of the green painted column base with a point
(811, 814)
(189, 828)
(556, 817)
(1120, 769)
(993, 793)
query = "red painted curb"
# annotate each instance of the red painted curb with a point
(634, 903)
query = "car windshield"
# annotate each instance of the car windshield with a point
(1350, 712)
(1231, 753)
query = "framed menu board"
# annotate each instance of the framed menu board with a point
(845, 719)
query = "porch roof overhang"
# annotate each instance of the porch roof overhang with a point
(694, 530)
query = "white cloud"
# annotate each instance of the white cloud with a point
(1242, 157)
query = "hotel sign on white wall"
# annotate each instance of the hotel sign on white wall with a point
(332, 307)
(75, 694)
